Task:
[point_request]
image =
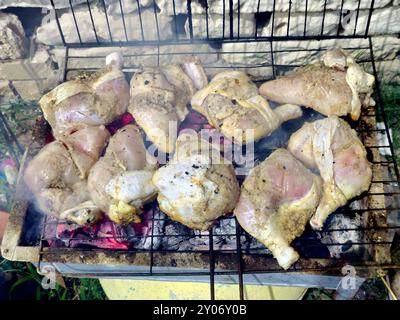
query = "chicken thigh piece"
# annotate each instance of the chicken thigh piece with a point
(159, 99)
(85, 147)
(198, 185)
(336, 85)
(231, 103)
(97, 99)
(332, 147)
(120, 182)
(276, 202)
(56, 176)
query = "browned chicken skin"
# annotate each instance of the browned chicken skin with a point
(159, 99)
(232, 104)
(336, 85)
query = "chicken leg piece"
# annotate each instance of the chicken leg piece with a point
(93, 100)
(198, 185)
(231, 103)
(56, 175)
(336, 85)
(159, 99)
(276, 202)
(120, 182)
(332, 147)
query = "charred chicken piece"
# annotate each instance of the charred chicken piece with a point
(332, 147)
(56, 175)
(159, 99)
(336, 85)
(276, 202)
(231, 103)
(198, 185)
(120, 181)
(97, 99)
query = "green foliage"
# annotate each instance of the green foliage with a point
(318, 294)
(21, 117)
(391, 103)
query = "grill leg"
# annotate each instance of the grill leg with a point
(348, 288)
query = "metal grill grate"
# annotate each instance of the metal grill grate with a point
(231, 16)
(310, 243)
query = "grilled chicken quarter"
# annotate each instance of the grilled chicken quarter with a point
(333, 147)
(336, 85)
(159, 99)
(57, 175)
(277, 199)
(120, 181)
(92, 100)
(198, 185)
(231, 103)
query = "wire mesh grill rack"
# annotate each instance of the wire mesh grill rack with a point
(378, 209)
(188, 10)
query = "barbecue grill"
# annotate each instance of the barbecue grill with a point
(224, 254)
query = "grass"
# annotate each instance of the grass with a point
(391, 101)
(25, 283)
(371, 289)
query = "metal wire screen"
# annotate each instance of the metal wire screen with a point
(230, 28)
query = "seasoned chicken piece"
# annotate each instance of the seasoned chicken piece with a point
(276, 202)
(336, 85)
(56, 175)
(159, 99)
(332, 147)
(183, 88)
(153, 106)
(94, 100)
(231, 104)
(198, 185)
(85, 147)
(120, 182)
(193, 68)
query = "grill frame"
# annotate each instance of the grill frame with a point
(213, 263)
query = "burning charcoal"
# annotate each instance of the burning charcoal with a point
(225, 234)
(127, 118)
(200, 241)
(343, 237)
(185, 126)
(101, 235)
(104, 236)
(138, 235)
(153, 230)
(248, 243)
(32, 227)
(225, 226)
(177, 237)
